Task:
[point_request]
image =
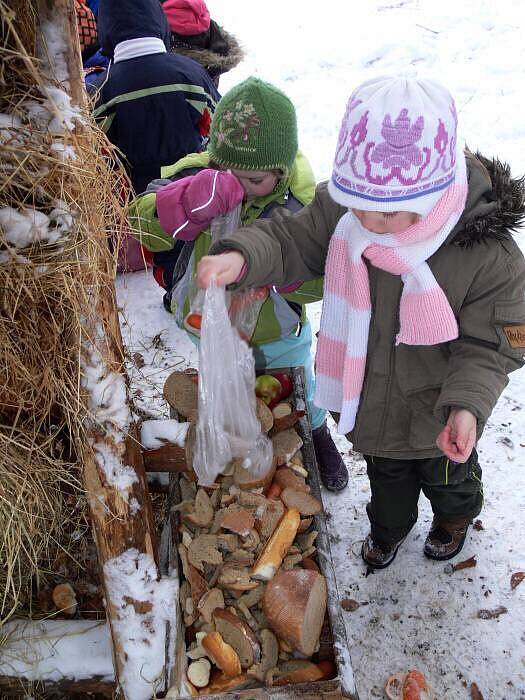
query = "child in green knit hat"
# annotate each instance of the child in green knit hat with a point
(252, 160)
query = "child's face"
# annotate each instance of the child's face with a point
(383, 222)
(256, 183)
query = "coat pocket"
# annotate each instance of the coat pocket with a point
(424, 426)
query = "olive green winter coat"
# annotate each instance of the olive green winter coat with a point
(409, 390)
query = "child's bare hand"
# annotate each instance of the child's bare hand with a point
(458, 437)
(226, 268)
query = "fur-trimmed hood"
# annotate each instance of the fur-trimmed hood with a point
(216, 61)
(495, 205)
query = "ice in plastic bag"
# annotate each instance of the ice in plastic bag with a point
(243, 306)
(227, 425)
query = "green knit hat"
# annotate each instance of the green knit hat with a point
(254, 128)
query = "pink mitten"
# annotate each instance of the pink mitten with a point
(187, 206)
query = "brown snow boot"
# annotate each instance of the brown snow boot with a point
(446, 538)
(332, 469)
(378, 555)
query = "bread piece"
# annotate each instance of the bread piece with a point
(309, 563)
(285, 445)
(209, 602)
(247, 482)
(228, 542)
(235, 578)
(264, 415)
(219, 683)
(251, 541)
(253, 501)
(281, 410)
(197, 651)
(237, 520)
(182, 394)
(277, 546)
(286, 422)
(198, 584)
(291, 560)
(269, 655)
(239, 635)
(266, 525)
(297, 671)
(294, 603)
(64, 598)
(223, 655)
(204, 549)
(199, 673)
(253, 597)
(202, 515)
(307, 541)
(304, 524)
(287, 478)
(241, 557)
(188, 489)
(303, 502)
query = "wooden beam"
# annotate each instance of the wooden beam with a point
(168, 458)
(122, 516)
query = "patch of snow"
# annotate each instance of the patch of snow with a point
(65, 152)
(118, 475)
(52, 50)
(64, 113)
(54, 650)
(155, 433)
(134, 506)
(143, 605)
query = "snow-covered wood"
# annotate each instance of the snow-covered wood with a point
(113, 467)
(64, 655)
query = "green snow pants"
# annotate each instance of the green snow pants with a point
(454, 490)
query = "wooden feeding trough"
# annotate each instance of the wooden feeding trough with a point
(332, 654)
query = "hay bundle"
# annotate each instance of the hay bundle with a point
(59, 202)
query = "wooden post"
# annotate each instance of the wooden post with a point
(122, 517)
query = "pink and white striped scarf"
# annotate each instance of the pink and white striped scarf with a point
(425, 315)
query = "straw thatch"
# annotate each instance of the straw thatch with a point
(54, 170)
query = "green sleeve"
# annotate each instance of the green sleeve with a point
(145, 226)
(308, 292)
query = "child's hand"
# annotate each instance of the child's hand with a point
(458, 437)
(226, 269)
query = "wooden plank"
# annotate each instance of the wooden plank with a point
(168, 458)
(122, 519)
(15, 687)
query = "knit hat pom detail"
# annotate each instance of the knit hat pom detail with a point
(397, 146)
(254, 127)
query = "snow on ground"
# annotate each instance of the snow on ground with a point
(412, 615)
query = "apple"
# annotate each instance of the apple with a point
(268, 389)
(286, 384)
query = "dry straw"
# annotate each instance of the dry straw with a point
(46, 293)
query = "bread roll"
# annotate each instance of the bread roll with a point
(277, 546)
(223, 655)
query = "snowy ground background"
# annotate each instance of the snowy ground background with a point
(412, 615)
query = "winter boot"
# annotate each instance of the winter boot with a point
(446, 538)
(378, 555)
(332, 469)
(166, 300)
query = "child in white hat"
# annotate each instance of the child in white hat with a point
(424, 302)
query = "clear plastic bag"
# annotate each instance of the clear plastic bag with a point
(243, 306)
(227, 425)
